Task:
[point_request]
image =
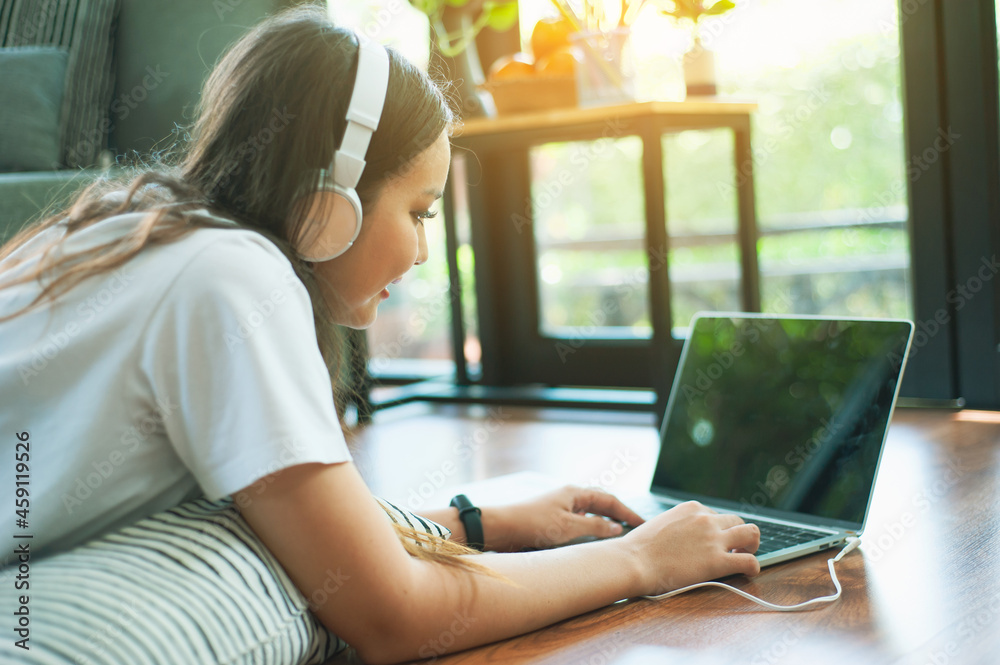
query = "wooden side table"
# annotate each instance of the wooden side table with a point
(498, 185)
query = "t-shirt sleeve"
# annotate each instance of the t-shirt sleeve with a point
(235, 368)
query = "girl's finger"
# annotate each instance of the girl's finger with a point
(744, 537)
(744, 563)
(608, 505)
(728, 520)
(596, 526)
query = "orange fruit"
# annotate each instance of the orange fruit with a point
(559, 63)
(513, 66)
(550, 35)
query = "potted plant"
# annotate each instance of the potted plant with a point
(699, 62)
(455, 24)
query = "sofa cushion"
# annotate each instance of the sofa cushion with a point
(29, 195)
(165, 51)
(32, 79)
(85, 28)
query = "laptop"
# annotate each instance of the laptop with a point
(781, 420)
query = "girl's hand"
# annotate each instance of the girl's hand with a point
(691, 543)
(555, 518)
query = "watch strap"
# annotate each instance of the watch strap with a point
(471, 518)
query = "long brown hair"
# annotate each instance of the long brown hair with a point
(270, 114)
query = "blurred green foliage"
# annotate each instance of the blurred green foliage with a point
(828, 150)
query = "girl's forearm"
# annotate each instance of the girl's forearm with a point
(454, 610)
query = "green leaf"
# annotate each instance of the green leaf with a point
(501, 14)
(428, 7)
(689, 9)
(457, 3)
(419, 5)
(721, 7)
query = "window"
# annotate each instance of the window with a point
(830, 175)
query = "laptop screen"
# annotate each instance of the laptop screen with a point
(774, 415)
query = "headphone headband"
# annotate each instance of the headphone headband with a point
(363, 113)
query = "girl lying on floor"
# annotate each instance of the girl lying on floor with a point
(167, 348)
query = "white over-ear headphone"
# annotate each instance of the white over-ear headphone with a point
(333, 235)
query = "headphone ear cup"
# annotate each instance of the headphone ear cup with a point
(333, 222)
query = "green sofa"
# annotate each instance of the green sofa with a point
(164, 49)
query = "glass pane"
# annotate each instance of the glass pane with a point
(828, 151)
(466, 266)
(412, 334)
(589, 228)
(827, 139)
(856, 271)
(599, 294)
(703, 277)
(702, 221)
(391, 22)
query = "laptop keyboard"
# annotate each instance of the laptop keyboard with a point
(773, 536)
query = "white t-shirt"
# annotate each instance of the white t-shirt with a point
(191, 370)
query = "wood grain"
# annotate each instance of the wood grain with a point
(923, 588)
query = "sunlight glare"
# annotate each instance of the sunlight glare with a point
(756, 35)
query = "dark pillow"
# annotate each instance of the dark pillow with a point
(85, 28)
(32, 79)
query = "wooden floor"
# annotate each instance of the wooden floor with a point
(924, 587)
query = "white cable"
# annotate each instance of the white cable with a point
(851, 544)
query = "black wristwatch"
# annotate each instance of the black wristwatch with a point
(471, 518)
